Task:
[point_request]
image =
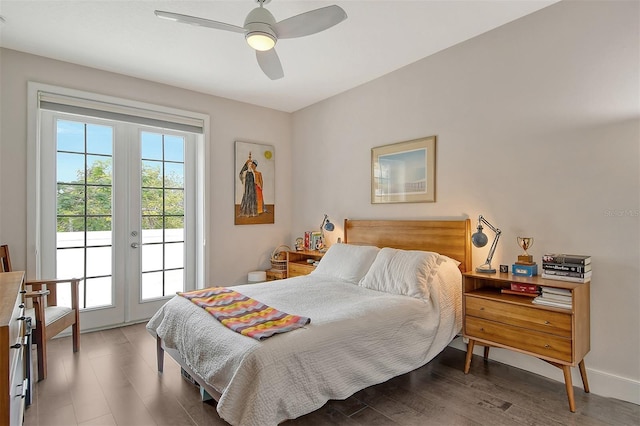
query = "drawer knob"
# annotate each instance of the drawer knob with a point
(547, 323)
(547, 346)
(16, 346)
(481, 328)
(482, 308)
(21, 306)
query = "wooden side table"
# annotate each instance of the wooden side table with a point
(558, 336)
(297, 262)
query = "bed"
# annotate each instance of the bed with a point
(382, 304)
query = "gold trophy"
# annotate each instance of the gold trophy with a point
(525, 258)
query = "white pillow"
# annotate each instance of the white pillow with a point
(405, 272)
(347, 262)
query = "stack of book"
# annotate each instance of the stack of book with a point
(313, 240)
(567, 267)
(521, 289)
(556, 297)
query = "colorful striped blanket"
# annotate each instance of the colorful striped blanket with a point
(243, 314)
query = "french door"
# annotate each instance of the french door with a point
(117, 208)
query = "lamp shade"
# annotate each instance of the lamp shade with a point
(261, 41)
(479, 239)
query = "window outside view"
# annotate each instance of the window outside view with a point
(84, 198)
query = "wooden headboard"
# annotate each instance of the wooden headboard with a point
(451, 238)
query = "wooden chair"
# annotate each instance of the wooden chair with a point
(48, 318)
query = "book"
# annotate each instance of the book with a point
(563, 278)
(555, 290)
(569, 274)
(307, 240)
(525, 288)
(541, 301)
(577, 259)
(568, 267)
(519, 293)
(557, 297)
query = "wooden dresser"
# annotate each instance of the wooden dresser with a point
(13, 383)
(559, 336)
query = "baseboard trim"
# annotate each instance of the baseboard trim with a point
(600, 382)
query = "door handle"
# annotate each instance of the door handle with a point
(135, 245)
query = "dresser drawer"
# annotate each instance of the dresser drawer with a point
(297, 269)
(533, 318)
(537, 343)
(16, 333)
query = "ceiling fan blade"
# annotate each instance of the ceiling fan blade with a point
(310, 22)
(270, 63)
(201, 22)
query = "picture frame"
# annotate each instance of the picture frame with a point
(254, 178)
(404, 172)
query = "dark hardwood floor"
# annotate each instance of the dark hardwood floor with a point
(113, 381)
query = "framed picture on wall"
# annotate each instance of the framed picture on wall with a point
(404, 172)
(255, 169)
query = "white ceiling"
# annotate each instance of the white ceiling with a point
(124, 36)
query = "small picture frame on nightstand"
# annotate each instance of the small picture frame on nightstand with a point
(504, 269)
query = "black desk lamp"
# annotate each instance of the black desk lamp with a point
(479, 239)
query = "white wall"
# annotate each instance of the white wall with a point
(229, 261)
(538, 130)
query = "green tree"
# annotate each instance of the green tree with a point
(158, 197)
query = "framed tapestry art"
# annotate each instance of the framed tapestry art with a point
(254, 183)
(404, 172)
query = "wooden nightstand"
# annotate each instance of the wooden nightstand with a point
(297, 262)
(555, 335)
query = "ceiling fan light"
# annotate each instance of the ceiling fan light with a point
(261, 41)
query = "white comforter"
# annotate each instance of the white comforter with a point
(357, 338)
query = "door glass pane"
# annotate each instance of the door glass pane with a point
(151, 146)
(162, 202)
(70, 262)
(99, 169)
(174, 255)
(174, 175)
(174, 281)
(174, 228)
(70, 167)
(152, 229)
(173, 201)
(70, 136)
(99, 139)
(151, 257)
(98, 292)
(84, 209)
(174, 148)
(152, 285)
(98, 261)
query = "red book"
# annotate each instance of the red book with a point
(525, 288)
(519, 293)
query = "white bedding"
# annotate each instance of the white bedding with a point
(357, 337)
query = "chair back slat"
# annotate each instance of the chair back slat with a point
(52, 297)
(5, 260)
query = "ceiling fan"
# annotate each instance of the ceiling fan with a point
(262, 31)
